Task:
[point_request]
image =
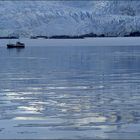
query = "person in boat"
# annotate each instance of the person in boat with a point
(19, 43)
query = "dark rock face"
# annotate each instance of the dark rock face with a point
(133, 34)
(6, 37)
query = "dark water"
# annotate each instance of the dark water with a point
(70, 92)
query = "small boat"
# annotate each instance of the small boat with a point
(17, 45)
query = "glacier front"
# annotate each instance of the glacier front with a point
(47, 18)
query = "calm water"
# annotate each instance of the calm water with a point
(70, 92)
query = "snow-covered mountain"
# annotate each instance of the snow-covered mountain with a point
(29, 18)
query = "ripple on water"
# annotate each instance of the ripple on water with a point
(84, 92)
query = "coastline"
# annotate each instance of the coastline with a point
(102, 41)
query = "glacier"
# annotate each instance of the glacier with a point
(47, 18)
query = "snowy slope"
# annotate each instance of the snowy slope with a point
(27, 18)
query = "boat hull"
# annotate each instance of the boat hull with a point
(10, 46)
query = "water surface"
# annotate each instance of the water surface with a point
(68, 91)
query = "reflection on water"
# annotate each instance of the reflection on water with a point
(72, 92)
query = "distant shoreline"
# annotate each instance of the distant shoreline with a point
(90, 35)
(102, 41)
